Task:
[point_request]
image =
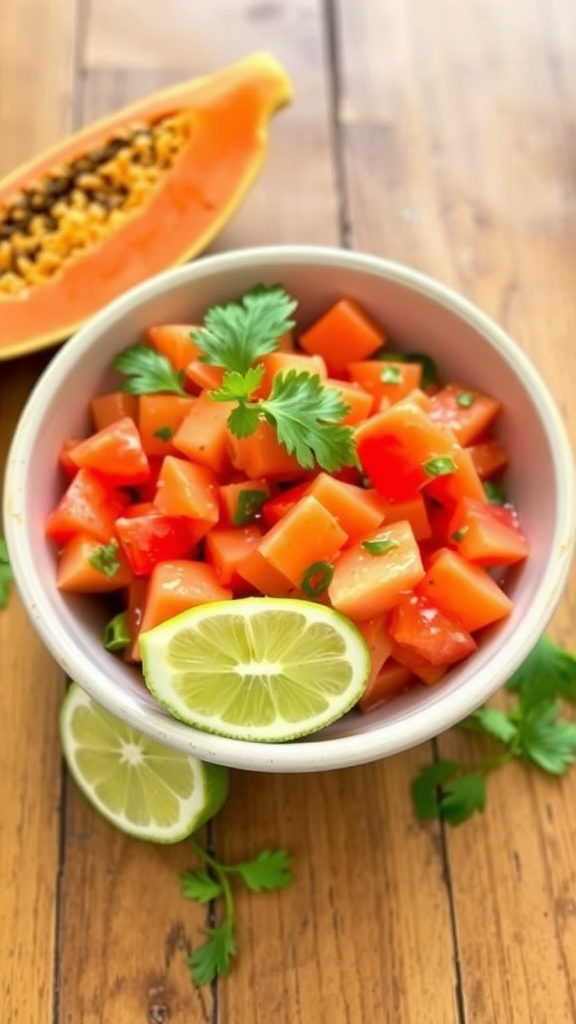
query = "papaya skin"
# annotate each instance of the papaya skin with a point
(231, 110)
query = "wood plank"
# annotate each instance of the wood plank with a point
(34, 111)
(35, 79)
(458, 144)
(130, 970)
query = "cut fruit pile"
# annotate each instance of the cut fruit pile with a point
(243, 460)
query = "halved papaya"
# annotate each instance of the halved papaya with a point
(127, 197)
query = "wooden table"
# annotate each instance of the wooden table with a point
(442, 135)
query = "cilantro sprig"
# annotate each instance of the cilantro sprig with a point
(532, 729)
(306, 416)
(6, 576)
(234, 335)
(268, 870)
(148, 372)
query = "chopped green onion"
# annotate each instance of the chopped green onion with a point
(459, 534)
(495, 493)
(441, 466)
(164, 433)
(429, 370)
(249, 506)
(465, 399)
(380, 546)
(106, 560)
(116, 633)
(317, 578)
(391, 375)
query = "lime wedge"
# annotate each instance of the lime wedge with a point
(265, 669)
(142, 787)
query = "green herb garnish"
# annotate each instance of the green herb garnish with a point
(116, 633)
(6, 575)
(494, 492)
(249, 506)
(429, 370)
(236, 334)
(269, 870)
(465, 399)
(532, 730)
(317, 579)
(441, 466)
(148, 372)
(379, 546)
(459, 534)
(163, 433)
(106, 560)
(391, 375)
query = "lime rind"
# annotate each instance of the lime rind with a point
(259, 669)
(142, 787)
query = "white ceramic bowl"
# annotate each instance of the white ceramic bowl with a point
(419, 313)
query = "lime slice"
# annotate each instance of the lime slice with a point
(266, 669)
(142, 787)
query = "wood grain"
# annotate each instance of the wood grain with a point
(35, 109)
(460, 144)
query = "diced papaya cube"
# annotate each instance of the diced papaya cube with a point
(488, 535)
(175, 342)
(86, 566)
(115, 453)
(65, 463)
(114, 406)
(371, 576)
(306, 535)
(392, 680)
(242, 502)
(464, 482)
(424, 671)
(226, 548)
(418, 397)
(379, 643)
(360, 402)
(414, 511)
(261, 454)
(488, 455)
(178, 585)
(159, 417)
(260, 574)
(420, 626)
(203, 433)
(359, 510)
(344, 333)
(87, 506)
(467, 412)
(395, 446)
(383, 379)
(275, 363)
(185, 489)
(464, 590)
(203, 376)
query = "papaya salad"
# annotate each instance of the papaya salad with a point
(245, 457)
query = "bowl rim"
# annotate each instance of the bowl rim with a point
(417, 726)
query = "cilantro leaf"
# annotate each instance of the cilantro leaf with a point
(380, 546)
(495, 494)
(306, 416)
(148, 372)
(493, 721)
(549, 672)
(236, 386)
(548, 740)
(425, 788)
(269, 870)
(163, 433)
(244, 419)
(200, 886)
(214, 956)
(6, 575)
(236, 333)
(462, 796)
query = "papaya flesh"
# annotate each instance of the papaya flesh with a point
(128, 196)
